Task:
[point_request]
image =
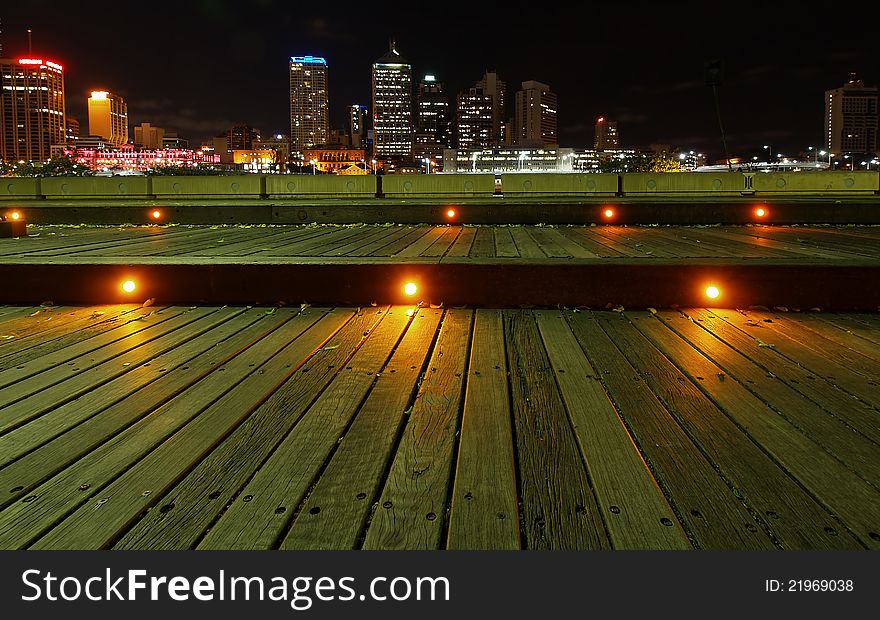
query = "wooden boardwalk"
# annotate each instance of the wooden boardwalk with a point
(171, 427)
(399, 243)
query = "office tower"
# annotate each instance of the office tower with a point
(309, 103)
(147, 136)
(241, 137)
(474, 122)
(32, 109)
(607, 138)
(392, 106)
(495, 88)
(357, 124)
(851, 118)
(108, 117)
(72, 132)
(535, 115)
(433, 131)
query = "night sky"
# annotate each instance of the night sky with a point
(198, 66)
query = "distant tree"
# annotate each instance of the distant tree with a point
(664, 162)
(60, 166)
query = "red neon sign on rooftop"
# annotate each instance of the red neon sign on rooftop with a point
(41, 62)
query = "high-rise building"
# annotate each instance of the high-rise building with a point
(357, 124)
(495, 88)
(433, 131)
(607, 138)
(72, 132)
(474, 122)
(147, 136)
(851, 118)
(241, 137)
(535, 115)
(392, 106)
(108, 117)
(32, 109)
(309, 103)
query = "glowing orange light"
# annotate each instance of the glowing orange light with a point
(760, 212)
(410, 288)
(156, 215)
(608, 213)
(99, 95)
(450, 213)
(129, 286)
(712, 292)
(601, 119)
(15, 215)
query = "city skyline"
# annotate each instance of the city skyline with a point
(769, 95)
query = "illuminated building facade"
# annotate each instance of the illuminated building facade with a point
(108, 117)
(433, 131)
(851, 118)
(535, 115)
(128, 159)
(495, 88)
(241, 137)
(474, 122)
(72, 132)
(309, 103)
(392, 106)
(148, 136)
(336, 160)
(32, 109)
(503, 159)
(607, 138)
(357, 124)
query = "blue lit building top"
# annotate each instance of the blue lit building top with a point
(309, 60)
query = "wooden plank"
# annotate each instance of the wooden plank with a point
(549, 244)
(840, 489)
(394, 233)
(582, 236)
(366, 236)
(422, 243)
(800, 521)
(442, 244)
(484, 513)
(390, 250)
(525, 245)
(227, 468)
(633, 507)
(559, 510)
(484, 243)
(417, 486)
(571, 248)
(39, 394)
(42, 429)
(122, 496)
(715, 518)
(818, 387)
(333, 516)
(858, 381)
(504, 245)
(851, 325)
(462, 244)
(250, 343)
(283, 480)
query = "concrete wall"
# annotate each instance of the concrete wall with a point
(815, 182)
(683, 183)
(428, 185)
(91, 187)
(559, 184)
(245, 186)
(15, 187)
(292, 186)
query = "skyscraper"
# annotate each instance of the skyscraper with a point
(433, 120)
(535, 115)
(474, 123)
(148, 136)
(241, 137)
(607, 137)
(851, 118)
(495, 88)
(108, 117)
(32, 109)
(392, 106)
(357, 124)
(309, 103)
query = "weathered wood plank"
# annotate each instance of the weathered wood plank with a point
(462, 244)
(633, 507)
(417, 486)
(484, 513)
(333, 516)
(559, 510)
(715, 516)
(504, 245)
(484, 243)
(525, 245)
(799, 521)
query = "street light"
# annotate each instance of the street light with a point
(374, 165)
(313, 162)
(769, 149)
